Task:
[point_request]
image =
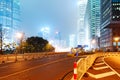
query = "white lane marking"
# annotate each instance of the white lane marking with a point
(99, 63)
(100, 68)
(102, 75)
(33, 68)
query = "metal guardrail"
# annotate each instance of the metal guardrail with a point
(26, 56)
(110, 54)
(85, 63)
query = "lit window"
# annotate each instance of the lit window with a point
(118, 43)
(114, 43)
(113, 17)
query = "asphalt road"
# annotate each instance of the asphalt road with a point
(52, 67)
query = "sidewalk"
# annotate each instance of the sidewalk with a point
(114, 64)
(102, 71)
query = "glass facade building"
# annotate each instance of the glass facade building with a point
(72, 40)
(93, 16)
(9, 19)
(110, 23)
(81, 33)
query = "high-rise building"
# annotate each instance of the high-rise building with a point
(9, 18)
(72, 40)
(81, 34)
(93, 22)
(45, 31)
(110, 24)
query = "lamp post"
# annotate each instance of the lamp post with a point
(20, 36)
(93, 42)
(116, 39)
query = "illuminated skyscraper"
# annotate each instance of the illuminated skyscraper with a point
(81, 34)
(110, 24)
(93, 16)
(72, 40)
(9, 18)
(45, 32)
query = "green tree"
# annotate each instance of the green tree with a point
(49, 47)
(3, 36)
(36, 44)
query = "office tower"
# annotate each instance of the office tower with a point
(9, 19)
(72, 40)
(45, 32)
(110, 24)
(81, 34)
(93, 21)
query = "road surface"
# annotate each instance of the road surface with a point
(52, 67)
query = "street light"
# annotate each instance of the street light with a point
(93, 42)
(116, 39)
(20, 36)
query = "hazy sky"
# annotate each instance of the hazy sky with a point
(59, 15)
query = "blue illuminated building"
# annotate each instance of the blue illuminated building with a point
(93, 22)
(9, 18)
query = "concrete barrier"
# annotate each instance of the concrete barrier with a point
(85, 63)
(26, 56)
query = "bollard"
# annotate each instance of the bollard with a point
(3, 60)
(75, 70)
(15, 57)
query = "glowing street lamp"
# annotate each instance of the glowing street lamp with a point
(116, 39)
(93, 41)
(20, 36)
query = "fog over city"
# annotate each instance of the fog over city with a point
(58, 15)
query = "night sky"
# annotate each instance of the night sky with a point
(58, 15)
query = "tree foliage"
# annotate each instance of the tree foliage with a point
(49, 47)
(37, 44)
